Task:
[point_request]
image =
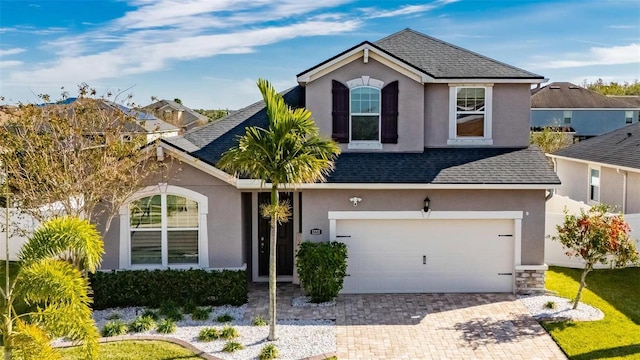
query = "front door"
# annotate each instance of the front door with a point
(284, 244)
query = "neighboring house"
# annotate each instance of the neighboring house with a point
(177, 114)
(603, 169)
(436, 190)
(562, 104)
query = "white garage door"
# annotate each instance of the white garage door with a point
(408, 256)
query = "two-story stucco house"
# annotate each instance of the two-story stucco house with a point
(436, 190)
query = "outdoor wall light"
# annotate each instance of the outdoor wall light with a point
(426, 204)
(355, 200)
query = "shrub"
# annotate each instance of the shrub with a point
(125, 288)
(114, 316)
(114, 328)
(208, 334)
(151, 314)
(189, 307)
(229, 332)
(224, 318)
(268, 352)
(232, 346)
(259, 321)
(170, 311)
(166, 326)
(200, 314)
(550, 305)
(141, 323)
(322, 268)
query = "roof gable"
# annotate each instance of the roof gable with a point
(617, 148)
(565, 95)
(424, 58)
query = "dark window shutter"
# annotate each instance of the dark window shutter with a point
(340, 130)
(390, 113)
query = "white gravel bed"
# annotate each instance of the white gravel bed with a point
(296, 338)
(305, 301)
(563, 309)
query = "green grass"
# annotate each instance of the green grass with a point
(147, 350)
(617, 294)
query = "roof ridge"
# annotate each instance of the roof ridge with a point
(456, 47)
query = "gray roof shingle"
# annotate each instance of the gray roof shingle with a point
(446, 166)
(620, 147)
(565, 95)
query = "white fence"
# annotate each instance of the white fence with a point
(554, 253)
(20, 226)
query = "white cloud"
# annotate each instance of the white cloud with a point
(623, 26)
(10, 63)
(12, 51)
(404, 10)
(614, 55)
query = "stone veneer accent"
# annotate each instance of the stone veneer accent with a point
(530, 279)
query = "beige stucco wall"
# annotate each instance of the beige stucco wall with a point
(224, 219)
(511, 113)
(410, 98)
(317, 203)
(575, 184)
(436, 115)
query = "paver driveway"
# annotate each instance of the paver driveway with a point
(423, 326)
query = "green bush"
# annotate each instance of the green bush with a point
(224, 318)
(268, 352)
(259, 321)
(201, 314)
(114, 328)
(166, 326)
(125, 288)
(208, 334)
(141, 323)
(151, 314)
(229, 332)
(322, 268)
(232, 346)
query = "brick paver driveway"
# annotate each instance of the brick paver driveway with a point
(423, 326)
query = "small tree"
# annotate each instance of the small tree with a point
(597, 237)
(83, 159)
(289, 152)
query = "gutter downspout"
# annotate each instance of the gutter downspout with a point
(555, 170)
(624, 189)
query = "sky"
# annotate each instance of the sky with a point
(209, 53)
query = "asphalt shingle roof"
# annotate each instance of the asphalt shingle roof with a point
(443, 60)
(620, 147)
(565, 95)
(446, 166)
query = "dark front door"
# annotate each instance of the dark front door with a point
(284, 244)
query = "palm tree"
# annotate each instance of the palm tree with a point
(49, 279)
(289, 152)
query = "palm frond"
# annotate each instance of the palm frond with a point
(65, 237)
(32, 343)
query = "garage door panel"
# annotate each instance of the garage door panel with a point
(461, 255)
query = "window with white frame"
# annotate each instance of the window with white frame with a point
(566, 117)
(594, 184)
(164, 230)
(628, 117)
(470, 115)
(365, 114)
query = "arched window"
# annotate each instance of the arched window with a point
(164, 229)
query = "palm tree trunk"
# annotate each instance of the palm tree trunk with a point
(272, 266)
(7, 330)
(583, 284)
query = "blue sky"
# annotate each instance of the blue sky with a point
(209, 53)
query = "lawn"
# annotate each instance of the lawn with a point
(144, 350)
(617, 294)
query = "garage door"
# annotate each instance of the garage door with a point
(408, 256)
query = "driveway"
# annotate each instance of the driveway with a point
(423, 326)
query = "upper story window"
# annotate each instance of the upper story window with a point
(628, 117)
(365, 113)
(470, 115)
(566, 117)
(164, 228)
(594, 184)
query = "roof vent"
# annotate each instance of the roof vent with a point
(574, 87)
(554, 87)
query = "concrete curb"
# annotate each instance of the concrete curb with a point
(173, 340)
